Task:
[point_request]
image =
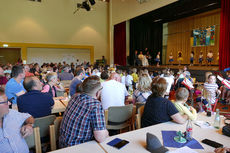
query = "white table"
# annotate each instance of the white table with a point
(137, 138)
(88, 147)
(59, 106)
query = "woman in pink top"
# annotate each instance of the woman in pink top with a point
(52, 84)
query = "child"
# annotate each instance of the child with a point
(201, 58)
(171, 58)
(157, 59)
(180, 58)
(135, 77)
(182, 95)
(211, 88)
(209, 57)
(191, 58)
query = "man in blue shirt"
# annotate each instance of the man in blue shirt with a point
(35, 102)
(77, 80)
(65, 75)
(14, 86)
(14, 127)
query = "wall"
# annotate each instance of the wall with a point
(123, 10)
(179, 34)
(61, 54)
(53, 22)
(9, 55)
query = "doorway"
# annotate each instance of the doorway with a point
(9, 55)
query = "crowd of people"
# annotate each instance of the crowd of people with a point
(28, 90)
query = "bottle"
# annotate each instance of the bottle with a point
(209, 109)
(217, 119)
(189, 130)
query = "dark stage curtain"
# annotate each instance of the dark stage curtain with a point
(120, 43)
(145, 34)
(224, 50)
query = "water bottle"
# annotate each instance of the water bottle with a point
(217, 119)
(209, 110)
(189, 130)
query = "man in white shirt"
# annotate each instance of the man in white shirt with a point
(113, 92)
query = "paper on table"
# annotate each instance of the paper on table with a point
(183, 150)
(203, 124)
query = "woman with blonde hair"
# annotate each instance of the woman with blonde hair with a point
(52, 84)
(143, 89)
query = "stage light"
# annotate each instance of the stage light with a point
(92, 2)
(5, 45)
(86, 6)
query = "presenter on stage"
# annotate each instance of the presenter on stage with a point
(141, 58)
(157, 59)
(180, 58)
(171, 58)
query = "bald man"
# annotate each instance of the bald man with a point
(35, 102)
(113, 92)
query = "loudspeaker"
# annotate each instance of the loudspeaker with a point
(86, 6)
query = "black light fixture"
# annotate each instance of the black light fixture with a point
(86, 6)
(92, 2)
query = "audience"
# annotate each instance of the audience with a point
(27, 71)
(113, 92)
(65, 75)
(182, 95)
(80, 74)
(14, 127)
(14, 86)
(83, 119)
(3, 79)
(143, 89)
(35, 102)
(158, 109)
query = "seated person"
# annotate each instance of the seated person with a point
(83, 119)
(159, 109)
(65, 75)
(35, 102)
(182, 95)
(52, 84)
(80, 74)
(143, 89)
(14, 127)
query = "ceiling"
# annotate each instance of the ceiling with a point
(180, 9)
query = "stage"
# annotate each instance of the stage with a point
(196, 71)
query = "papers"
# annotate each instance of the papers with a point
(183, 150)
(203, 124)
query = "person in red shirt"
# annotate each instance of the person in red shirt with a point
(3, 79)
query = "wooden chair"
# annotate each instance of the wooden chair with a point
(140, 112)
(120, 117)
(54, 133)
(33, 141)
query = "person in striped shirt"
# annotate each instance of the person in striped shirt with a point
(211, 89)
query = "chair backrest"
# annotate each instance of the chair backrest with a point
(120, 113)
(140, 112)
(34, 140)
(43, 123)
(54, 133)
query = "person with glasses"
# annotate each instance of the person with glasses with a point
(14, 127)
(84, 118)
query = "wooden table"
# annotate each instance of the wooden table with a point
(60, 104)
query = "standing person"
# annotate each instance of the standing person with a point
(141, 58)
(191, 58)
(136, 59)
(84, 119)
(180, 58)
(159, 109)
(171, 59)
(157, 59)
(14, 86)
(14, 127)
(201, 58)
(149, 58)
(209, 57)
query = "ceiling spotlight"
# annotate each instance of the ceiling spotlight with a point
(86, 6)
(92, 2)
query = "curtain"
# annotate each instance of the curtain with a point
(145, 34)
(120, 44)
(224, 49)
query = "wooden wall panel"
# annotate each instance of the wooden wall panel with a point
(179, 36)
